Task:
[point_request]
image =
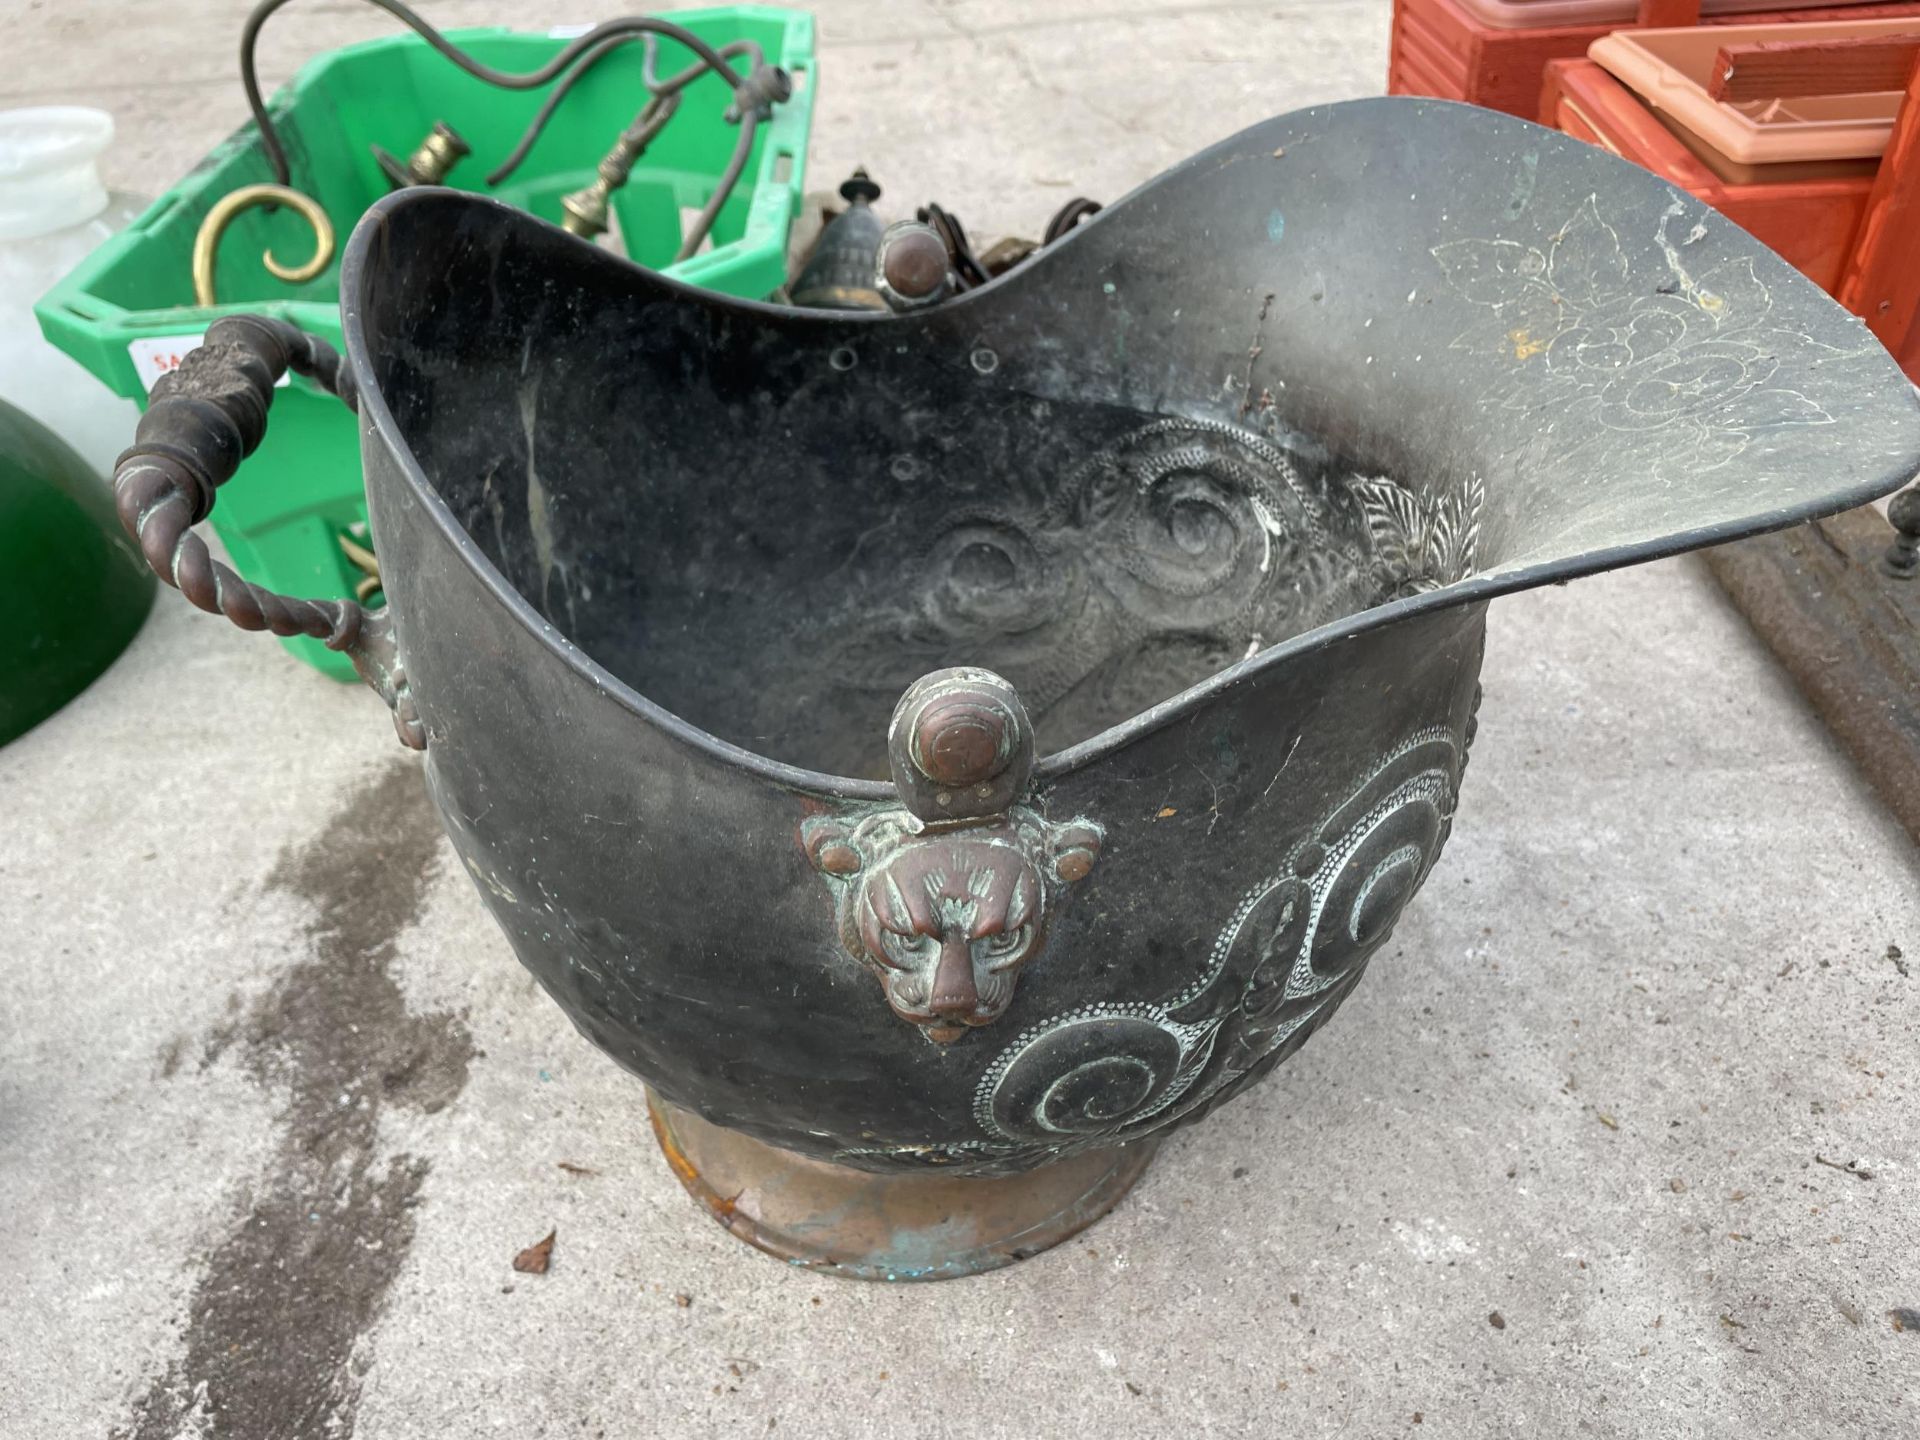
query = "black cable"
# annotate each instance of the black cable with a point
(673, 85)
(591, 40)
(539, 123)
(1069, 215)
(966, 265)
(749, 124)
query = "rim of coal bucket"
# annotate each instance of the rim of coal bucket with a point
(1254, 140)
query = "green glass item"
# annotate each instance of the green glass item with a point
(73, 590)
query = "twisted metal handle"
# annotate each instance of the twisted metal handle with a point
(204, 419)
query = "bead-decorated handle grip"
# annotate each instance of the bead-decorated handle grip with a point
(203, 420)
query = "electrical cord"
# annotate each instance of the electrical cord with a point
(1069, 215)
(671, 86)
(545, 113)
(675, 83)
(966, 265)
(594, 39)
(703, 223)
(968, 268)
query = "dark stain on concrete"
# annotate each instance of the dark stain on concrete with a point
(303, 1271)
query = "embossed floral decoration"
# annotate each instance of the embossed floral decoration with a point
(1421, 541)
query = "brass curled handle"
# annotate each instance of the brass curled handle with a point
(206, 243)
(202, 420)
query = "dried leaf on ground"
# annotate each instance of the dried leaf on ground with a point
(535, 1258)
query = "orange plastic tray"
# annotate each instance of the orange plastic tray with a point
(1671, 70)
(1540, 14)
(1810, 222)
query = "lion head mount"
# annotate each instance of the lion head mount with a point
(946, 896)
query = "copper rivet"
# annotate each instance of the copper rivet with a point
(960, 739)
(839, 859)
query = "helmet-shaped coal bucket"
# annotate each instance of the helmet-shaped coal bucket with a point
(941, 753)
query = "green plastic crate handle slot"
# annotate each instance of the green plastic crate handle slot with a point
(131, 297)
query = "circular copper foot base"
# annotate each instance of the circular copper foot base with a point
(888, 1227)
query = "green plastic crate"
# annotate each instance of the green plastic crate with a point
(281, 517)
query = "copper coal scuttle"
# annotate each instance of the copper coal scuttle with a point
(942, 752)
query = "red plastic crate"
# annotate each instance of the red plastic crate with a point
(1440, 49)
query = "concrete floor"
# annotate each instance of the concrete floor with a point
(278, 1107)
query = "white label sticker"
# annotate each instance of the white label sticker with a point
(154, 355)
(568, 32)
